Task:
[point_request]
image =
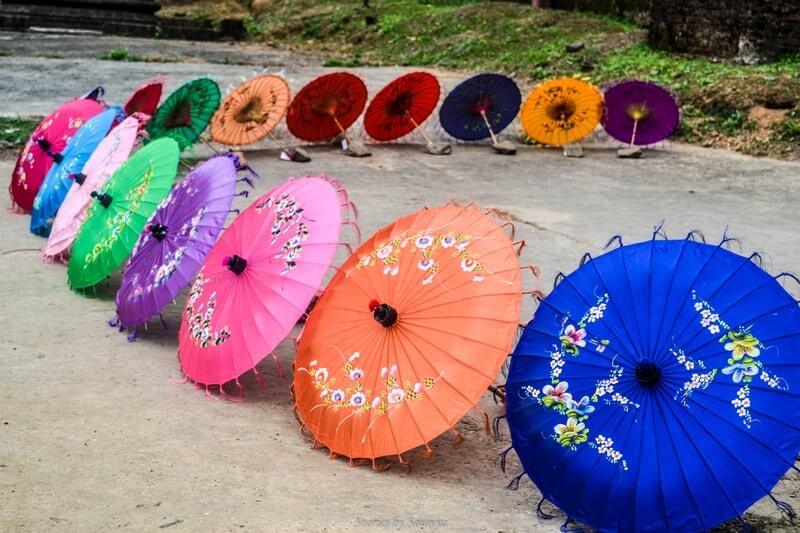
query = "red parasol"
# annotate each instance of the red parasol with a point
(327, 106)
(401, 106)
(145, 99)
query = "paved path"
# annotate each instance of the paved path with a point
(94, 436)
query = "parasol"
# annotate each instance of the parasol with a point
(58, 181)
(145, 99)
(661, 374)
(177, 240)
(640, 112)
(409, 333)
(480, 107)
(401, 106)
(561, 112)
(326, 107)
(185, 114)
(119, 212)
(251, 111)
(259, 278)
(109, 155)
(45, 144)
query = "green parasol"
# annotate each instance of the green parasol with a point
(186, 113)
(119, 212)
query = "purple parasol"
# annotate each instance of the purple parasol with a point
(640, 112)
(177, 240)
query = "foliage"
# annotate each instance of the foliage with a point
(14, 131)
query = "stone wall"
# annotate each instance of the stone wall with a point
(749, 30)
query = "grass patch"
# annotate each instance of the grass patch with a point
(123, 54)
(14, 131)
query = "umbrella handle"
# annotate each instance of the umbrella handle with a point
(488, 126)
(633, 134)
(344, 132)
(417, 127)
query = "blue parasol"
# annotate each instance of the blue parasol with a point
(477, 103)
(58, 181)
(654, 389)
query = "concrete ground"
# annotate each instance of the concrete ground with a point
(95, 436)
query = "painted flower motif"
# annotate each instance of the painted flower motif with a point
(396, 396)
(321, 374)
(425, 264)
(698, 306)
(323, 393)
(356, 374)
(713, 329)
(571, 433)
(582, 407)
(576, 337)
(741, 344)
(557, 395)
(423, 242)
(391, 270)
(337, 396)
(448, 241)
(366, 260)
(358, 399)
(353, 357)
(376, 402)
(383, 253)
(740, 370)
(468, 265)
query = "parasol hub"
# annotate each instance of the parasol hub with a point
(561, 110)
(401, 105)
(104, 198)
(638, 112)
(385, 315)
(158, 231)
(234, 263)
(483, 105)
(251, 112)
(648, 374)
(77, 177)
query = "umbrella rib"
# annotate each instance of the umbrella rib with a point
(407, 334)
(677, 456)
(719, 288)
(770, 447)
(727, 452)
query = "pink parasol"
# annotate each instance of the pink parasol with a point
(259, 279)
(107, 158)
(45, 144)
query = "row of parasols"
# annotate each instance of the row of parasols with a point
(557, 112)
(661, 373)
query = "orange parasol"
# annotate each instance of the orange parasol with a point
(251, 111)
(409, 333)
(563, 111)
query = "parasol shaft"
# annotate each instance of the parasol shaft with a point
(344, 132)
(633, 135)
(416, 126)
(185, 164)
(276, 141)
(488, 126)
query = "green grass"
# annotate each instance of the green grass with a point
(123, 54)
(14, 131)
